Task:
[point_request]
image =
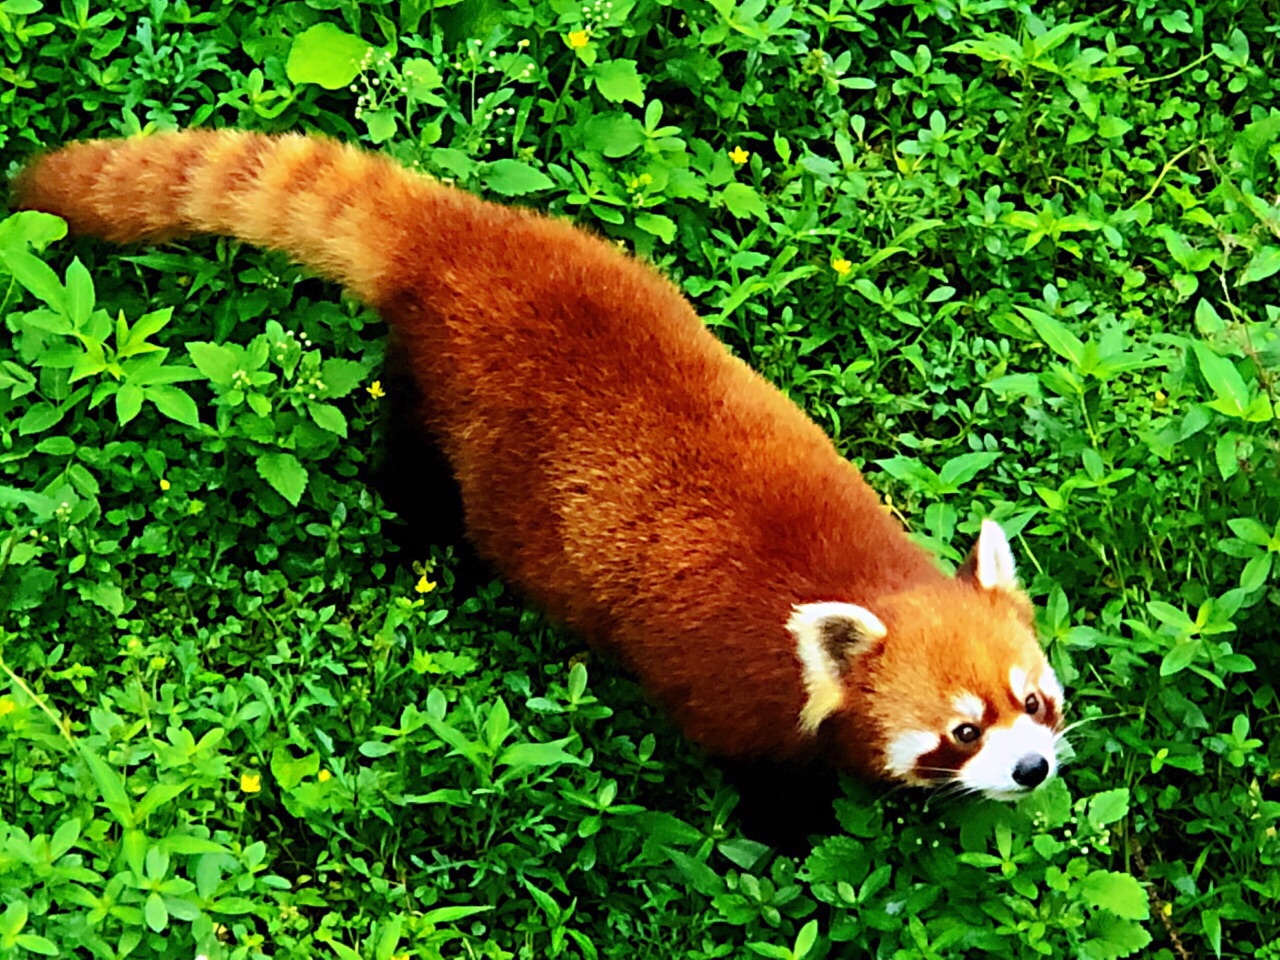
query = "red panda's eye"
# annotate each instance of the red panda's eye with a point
(1032, 704)
(966, 733)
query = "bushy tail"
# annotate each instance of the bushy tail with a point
(337, 209)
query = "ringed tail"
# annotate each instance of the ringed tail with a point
(346, 213)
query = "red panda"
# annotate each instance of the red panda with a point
(622, 468)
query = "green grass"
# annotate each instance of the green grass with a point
(1018, 260)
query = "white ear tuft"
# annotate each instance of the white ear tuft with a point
(995, 569)
(826, 636)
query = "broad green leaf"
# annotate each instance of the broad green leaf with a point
(1235, 51)
(1109, 807)
(64, 838)
(1052, 39)
(662, 227)
(1256, 572)
(1211, 922)
(30, 228)
(156, 915)
(1118, 893)
(960, 470)
(328, 417)
(742, 201)
(155, 798)
(175, 403)
(381, 124)
(1181, 656)
(577, 682)
(618, 81)
(805, 940)
(1250, 531)
(1188, 257)
(514, 178)
(742, 852)
(911, 470)
(994, 47)
(327, 56)
(388, 939)
(1224, 380)
(341, 376)
(39, 418)
(1207, 320)
(35, 943)
(422, 77)
(79, 293)
(286, 475)
(186, 845)
(1170, 615)
(1114, 938)
(110, 785)
(36, 276)
(473, 751)
(613, 134)
(42, 319)
(1224, 453)
(538, 754)
(700, 876)
(90, 363)
(1056, 336)
(1113, 127)
(108, 596)
(1263, 264)
(217, 362)
(128, 403)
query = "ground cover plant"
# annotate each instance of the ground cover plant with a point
(1020, 260)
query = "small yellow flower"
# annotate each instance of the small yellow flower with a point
(424, 585)
(324, 776)
(841, 266)
(251, 782)
(164, 485)
(375, 390)
(7, 706)
(577, 39)
(739, 156)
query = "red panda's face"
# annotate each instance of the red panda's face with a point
(945, 684)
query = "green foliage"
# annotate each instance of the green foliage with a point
(1020, 261)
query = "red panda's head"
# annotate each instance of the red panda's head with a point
(941, 684)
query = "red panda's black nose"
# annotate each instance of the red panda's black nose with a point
(1031, 771)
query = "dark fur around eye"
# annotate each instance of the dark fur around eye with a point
(967, 733)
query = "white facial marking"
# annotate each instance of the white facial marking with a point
(1018, 682)
(820, 672)
(1050, 686)
(969, 706)
(996, 570)
(990, 770)
(905, 750)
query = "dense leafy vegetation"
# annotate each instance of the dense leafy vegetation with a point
(1020, 260)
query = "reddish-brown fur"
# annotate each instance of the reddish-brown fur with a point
(617, 463)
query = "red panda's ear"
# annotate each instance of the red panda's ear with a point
(828, 637)
(990, 564)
